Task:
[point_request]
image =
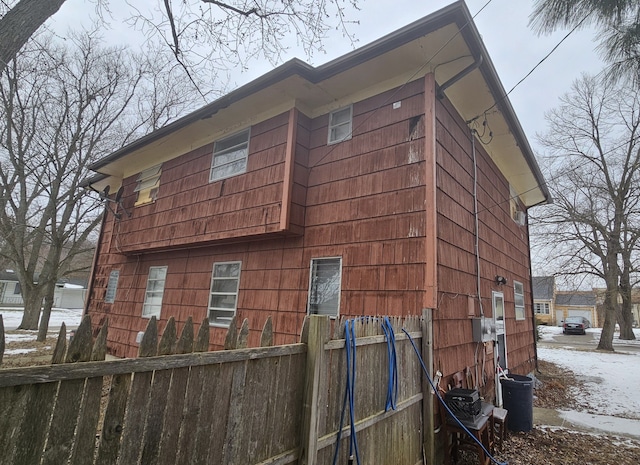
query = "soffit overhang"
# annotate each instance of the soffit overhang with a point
(445, 42)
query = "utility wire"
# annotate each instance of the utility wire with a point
(500, 100)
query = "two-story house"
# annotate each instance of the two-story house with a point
(392, 179)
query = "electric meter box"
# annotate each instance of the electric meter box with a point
(483, 329)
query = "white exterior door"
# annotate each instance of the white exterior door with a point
(500, 349)
(584, 313)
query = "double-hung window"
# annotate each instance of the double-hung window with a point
(541, 308)
(518, 291)
(230, 156)
(112, 286)
(340, 123)
(223, 301)
(147, 184)
(325, 281)
(155, 290)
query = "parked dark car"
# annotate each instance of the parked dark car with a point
(575, 325)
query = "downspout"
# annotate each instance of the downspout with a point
(473, 66)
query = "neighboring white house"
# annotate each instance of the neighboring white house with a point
(68, 294)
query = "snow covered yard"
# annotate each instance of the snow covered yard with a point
(610, 380)
(11, 318)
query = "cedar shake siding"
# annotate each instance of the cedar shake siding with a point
(361, 199)
(391, 206)
(503, 247)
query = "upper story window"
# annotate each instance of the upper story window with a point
(223, 302)
(340, 122)
(518, 291)
(155, 290)
(147, 185)
(230, 156)
(112, 286)
(324, 286)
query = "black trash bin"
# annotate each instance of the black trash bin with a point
(517, 398)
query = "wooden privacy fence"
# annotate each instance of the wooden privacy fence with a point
(178, 404)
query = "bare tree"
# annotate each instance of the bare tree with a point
(63, 107)
(594, 223)
(617, 23)
(199, 33)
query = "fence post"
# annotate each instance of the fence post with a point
(427, 393)
(314, 382)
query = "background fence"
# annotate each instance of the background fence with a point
(178, 404)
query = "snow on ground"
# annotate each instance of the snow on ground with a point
(11, 318)
(610, 381)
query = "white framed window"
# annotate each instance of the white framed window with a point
(155, 290)
(541, 308)
(230, 156)
(223, 301)
(112, 286)
(147, 185)
(518, 292)
(340, 123)
(325, 281)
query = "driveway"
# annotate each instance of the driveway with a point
(590, 340)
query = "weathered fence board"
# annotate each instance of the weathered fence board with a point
(171, 406)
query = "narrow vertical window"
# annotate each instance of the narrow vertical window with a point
(147, 185)
(230, 156)
(112, 286)
(340, 125)
(518, 291)
(223, 302)
(155, 290)
(324, 286)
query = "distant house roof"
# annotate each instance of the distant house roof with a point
(8, 275)
(587, 299)
(543, 287)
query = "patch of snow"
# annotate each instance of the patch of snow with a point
(610, 379)
(604, 423)
(25, 336)
(18, 351)
(12, 317)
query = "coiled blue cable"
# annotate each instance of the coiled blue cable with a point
(392, 383)
(349, 395)
(424, 369)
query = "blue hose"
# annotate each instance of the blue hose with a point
(349, 395)
(392, 384)
(424, 369)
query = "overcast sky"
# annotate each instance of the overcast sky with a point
(513, 48)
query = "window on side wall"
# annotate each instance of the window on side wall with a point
(340, 122)
(112, 286)
(155, 290)
(518, 291)
(325, 281)
(223, 301)
(147, 185)
(230, 156)
(541, 308)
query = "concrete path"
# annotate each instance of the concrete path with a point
(587, 422)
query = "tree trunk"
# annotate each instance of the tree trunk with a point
(625, 317)
(609, 326)
(19, 24)
(46, 311)
(32, 309)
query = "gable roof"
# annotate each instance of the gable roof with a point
(543, 287)
(584, 299)
(445, 42)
